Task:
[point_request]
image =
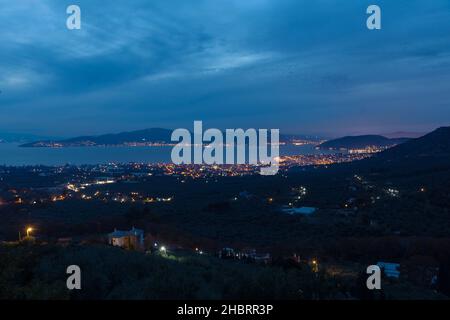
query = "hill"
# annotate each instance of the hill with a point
(429, 154)
(361, 142)
(431, 151)
(146, 136)
(140, 137)
(434, 144)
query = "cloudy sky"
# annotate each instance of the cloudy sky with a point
(301, 66)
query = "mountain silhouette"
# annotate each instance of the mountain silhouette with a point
(361, 142)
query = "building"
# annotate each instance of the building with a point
(131, 240)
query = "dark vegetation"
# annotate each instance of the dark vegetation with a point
(39, 272)
(30, 271)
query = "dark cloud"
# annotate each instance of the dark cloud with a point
(302, 66)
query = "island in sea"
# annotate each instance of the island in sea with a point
(362, 143)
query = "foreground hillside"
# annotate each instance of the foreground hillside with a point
(38, 272)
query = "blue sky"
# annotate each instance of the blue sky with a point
(301, 66)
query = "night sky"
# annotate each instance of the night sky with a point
(301, 66)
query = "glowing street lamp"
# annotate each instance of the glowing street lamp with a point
(315, 266)
(29, 230)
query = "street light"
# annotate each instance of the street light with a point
(29, 230)
(315, 266)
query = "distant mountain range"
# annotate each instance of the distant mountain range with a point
(140, 137)
(361, 142)
(146, 136)
(431, 143)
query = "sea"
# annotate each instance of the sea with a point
(11, 154)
